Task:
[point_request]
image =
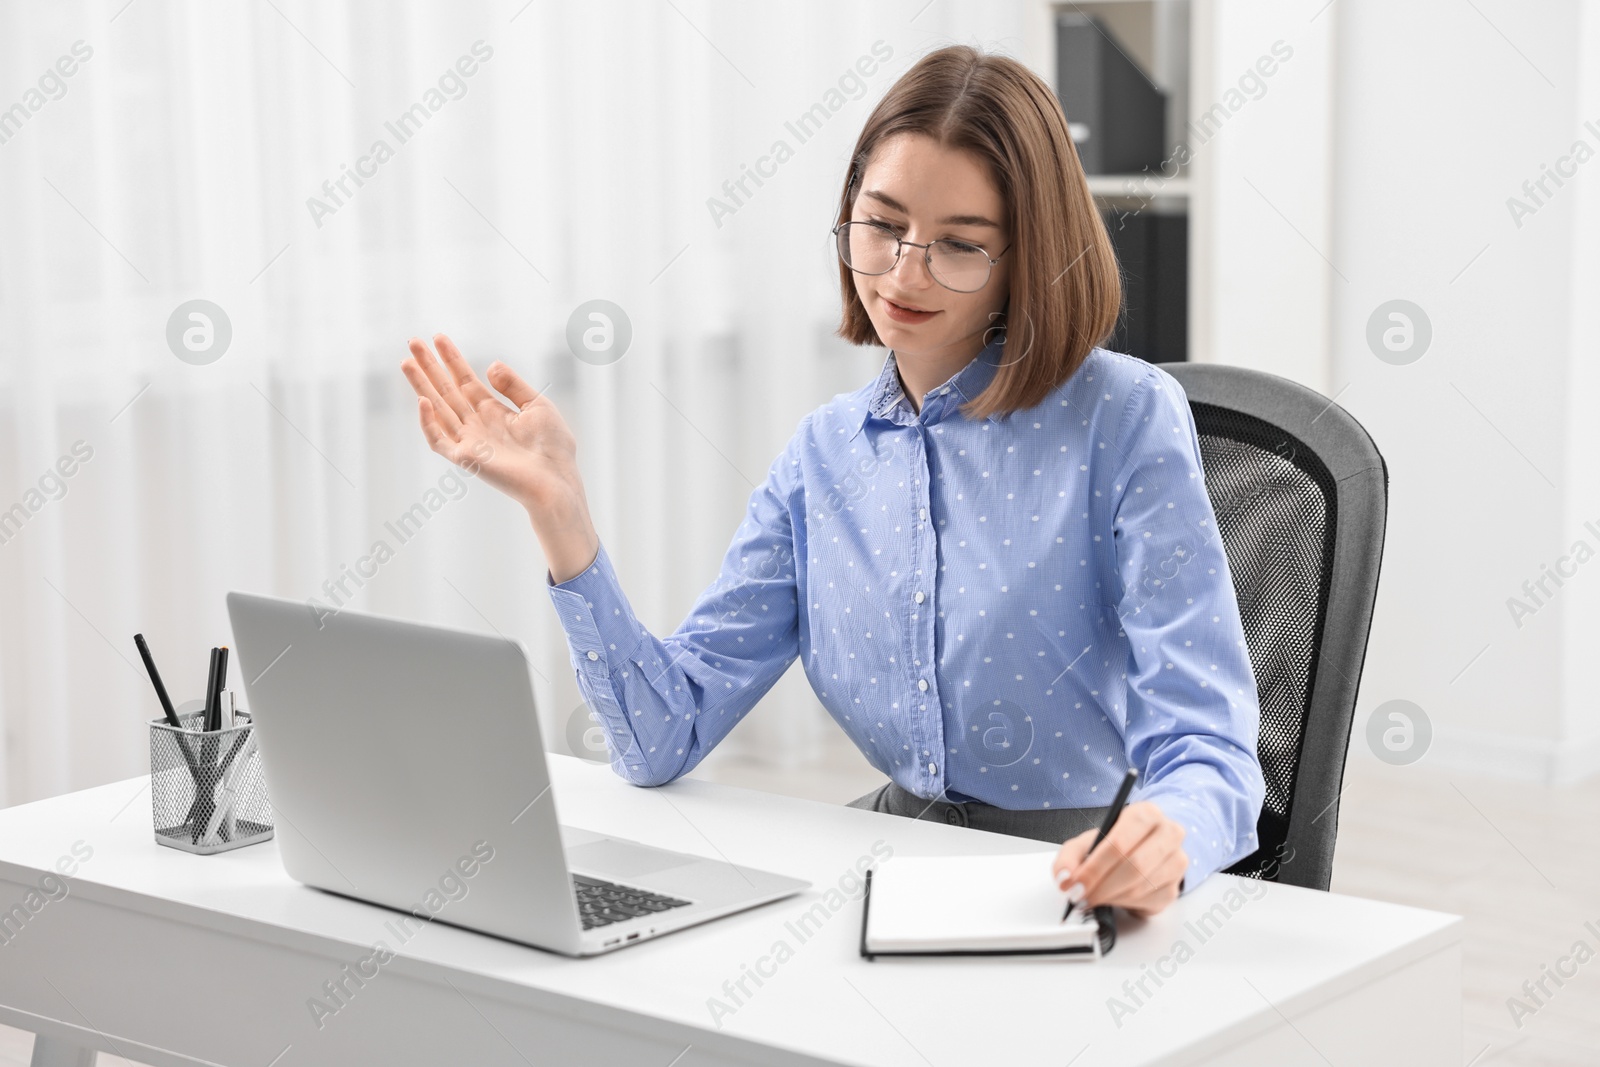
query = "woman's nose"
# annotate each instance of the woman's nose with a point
(916, 276)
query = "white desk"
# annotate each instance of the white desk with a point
(170, 958)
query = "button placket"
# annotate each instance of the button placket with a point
(927, 722)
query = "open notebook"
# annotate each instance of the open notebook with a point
(976, 906)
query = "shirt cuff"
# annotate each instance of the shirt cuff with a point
(600, 624)
(1198, 823)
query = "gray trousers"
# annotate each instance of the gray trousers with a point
(1054, 825)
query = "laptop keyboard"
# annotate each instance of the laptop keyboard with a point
(601, 903)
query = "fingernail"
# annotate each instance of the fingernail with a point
(1075, 894)
(1063, 876)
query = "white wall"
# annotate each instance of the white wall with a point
(1261, 199)
(1578, 749)
(1376, 167)
(1442, 111)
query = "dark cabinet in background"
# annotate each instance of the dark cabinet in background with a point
(1119, 119)
(1119, 113)
(1153, 252)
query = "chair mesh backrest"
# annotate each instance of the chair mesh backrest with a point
(1274, 501)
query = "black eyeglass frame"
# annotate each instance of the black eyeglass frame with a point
(927, 252)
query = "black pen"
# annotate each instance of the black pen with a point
(155, 680)
(200, 809)
(1111, 820)
(222, 683)
(172, 720)
(211, 710)
(166, 705)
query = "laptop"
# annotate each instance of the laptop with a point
(406, 768)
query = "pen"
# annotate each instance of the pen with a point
(170, 712)
(222, 680)
(210, 721)
(155, 680)
(215, 686)
(211, 693)
(1111, 820)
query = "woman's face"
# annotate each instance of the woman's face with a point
(925, 192)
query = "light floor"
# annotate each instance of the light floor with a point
(1518, 861)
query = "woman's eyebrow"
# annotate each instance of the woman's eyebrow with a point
(954, 220)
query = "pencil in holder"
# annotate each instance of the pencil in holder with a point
(207, 790)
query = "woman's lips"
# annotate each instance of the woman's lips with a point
(904, 314)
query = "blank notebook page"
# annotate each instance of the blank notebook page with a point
(934, 903)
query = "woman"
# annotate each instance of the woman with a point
(997, 562)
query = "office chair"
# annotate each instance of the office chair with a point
(1301, 497)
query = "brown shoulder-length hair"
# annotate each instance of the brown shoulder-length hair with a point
(1065, 289)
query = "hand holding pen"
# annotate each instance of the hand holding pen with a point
(1141, 867)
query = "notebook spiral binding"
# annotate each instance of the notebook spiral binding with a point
(1107, 921)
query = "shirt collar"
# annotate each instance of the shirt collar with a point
(887, 393)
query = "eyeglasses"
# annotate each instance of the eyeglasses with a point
(873, 248)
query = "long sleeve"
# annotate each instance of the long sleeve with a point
(1193, 715)
(664, 703)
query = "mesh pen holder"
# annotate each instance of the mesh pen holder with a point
(207, 790)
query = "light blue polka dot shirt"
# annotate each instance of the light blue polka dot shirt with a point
(1013, 610)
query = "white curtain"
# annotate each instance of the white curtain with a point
(176, 162)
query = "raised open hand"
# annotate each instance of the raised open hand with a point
(524, 448)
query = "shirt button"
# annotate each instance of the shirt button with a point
(922, 683)
(594, 655)
(919, 596)
(922, 513)
(932, 769)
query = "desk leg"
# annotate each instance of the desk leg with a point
(54, 1052)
